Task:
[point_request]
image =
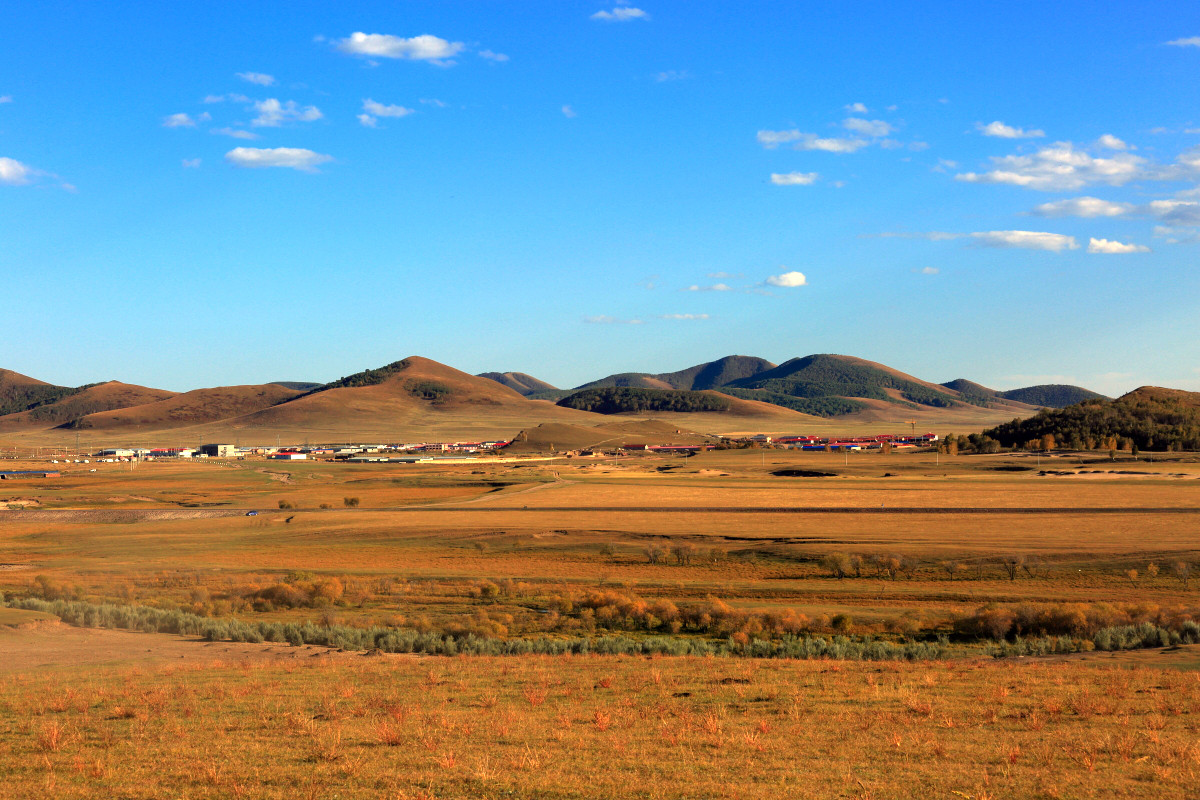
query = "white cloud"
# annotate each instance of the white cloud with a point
(684, 316)
(490, 56)
(214, 98)
(259, 78)
(1026, 240)
(381, 110)
(569, 112)
(429, 101)
(1112, 247)
(788, 280)
(191, 163)
(7, 98)
(1082, 207)
(856, 108)
(1060, 167)
(794, 178)
(1191, 41)
(605, 319)
(1174, 212)
(272, 113)
(14, 173)
(1003, 131)
(417, 48)
(672, 75)
(930, 270)
(621, 14)
(720, 275)
(809, 141)
(180, 120)
(933, 236)
(290, 157)
(716, 287)
(236, 133)
(867, 127)
(1112, 142)
(367, 121)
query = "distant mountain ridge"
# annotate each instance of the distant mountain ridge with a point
(519, 382)
(1047, 395)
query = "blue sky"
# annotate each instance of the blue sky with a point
(222, 193)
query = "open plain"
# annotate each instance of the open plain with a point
(726, 551)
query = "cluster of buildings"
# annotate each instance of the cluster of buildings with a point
(876, 442)
(294, 453)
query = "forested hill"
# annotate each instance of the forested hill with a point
(623, 399)
(1052, 395)
(1149, 418)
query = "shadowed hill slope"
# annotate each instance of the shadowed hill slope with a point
(519, 382)
(1052, 395)
(20, 392)
(709, 375)
(100, 397)
(187, 409)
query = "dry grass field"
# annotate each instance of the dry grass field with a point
(726, 547)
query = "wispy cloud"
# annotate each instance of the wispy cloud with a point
(372, 109)
(788, 280)
(928, 270)
(672, 75)
(272, 113)
(191, 163)
(856, 108)
(296, 158)
(5, 98)
(716, 287)
(1060, 167)
(621, 14)
(1082, 207)
(14, 173)
(499, 58)
(1108, 246)
(605, 319)
(183, 120)
(417, 48)
(1002, 131)
(810, 141)
(684, 316)
(257, 78)
(1110, 142)
(794, 178)
(569, 112)
(874, 128)
(236, 133)
(1026, 240)
(1190, 41)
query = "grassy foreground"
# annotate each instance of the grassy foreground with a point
(589, 726)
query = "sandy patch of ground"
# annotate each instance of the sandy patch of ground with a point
(55, 645)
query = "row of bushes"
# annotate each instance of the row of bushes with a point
(395, 640)
(1078, 620)
(1122, 637)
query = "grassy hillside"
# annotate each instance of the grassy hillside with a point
(1052, 395)
(832, 376)
(190, 408)
(86, 400)
(20, 392)
(1149, 418)
(709, 375)
(519, 382)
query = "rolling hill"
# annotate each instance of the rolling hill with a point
(1050, 395)
(93, 399)
(185, 410)
(519, 382)
(709, 375)
(20, 392)
(1149, 418)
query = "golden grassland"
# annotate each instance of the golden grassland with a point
(431, 534)
(517, 550)
(600, 727)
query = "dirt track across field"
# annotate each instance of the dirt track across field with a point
(116, 514)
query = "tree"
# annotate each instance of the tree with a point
(838, 564)
(350, 502)
(1011, 565)
(683, 553)
(1183, 571)
(1132, 574)
(1152, 570)
(952, 568)
(655, 553)
(1047, 443)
